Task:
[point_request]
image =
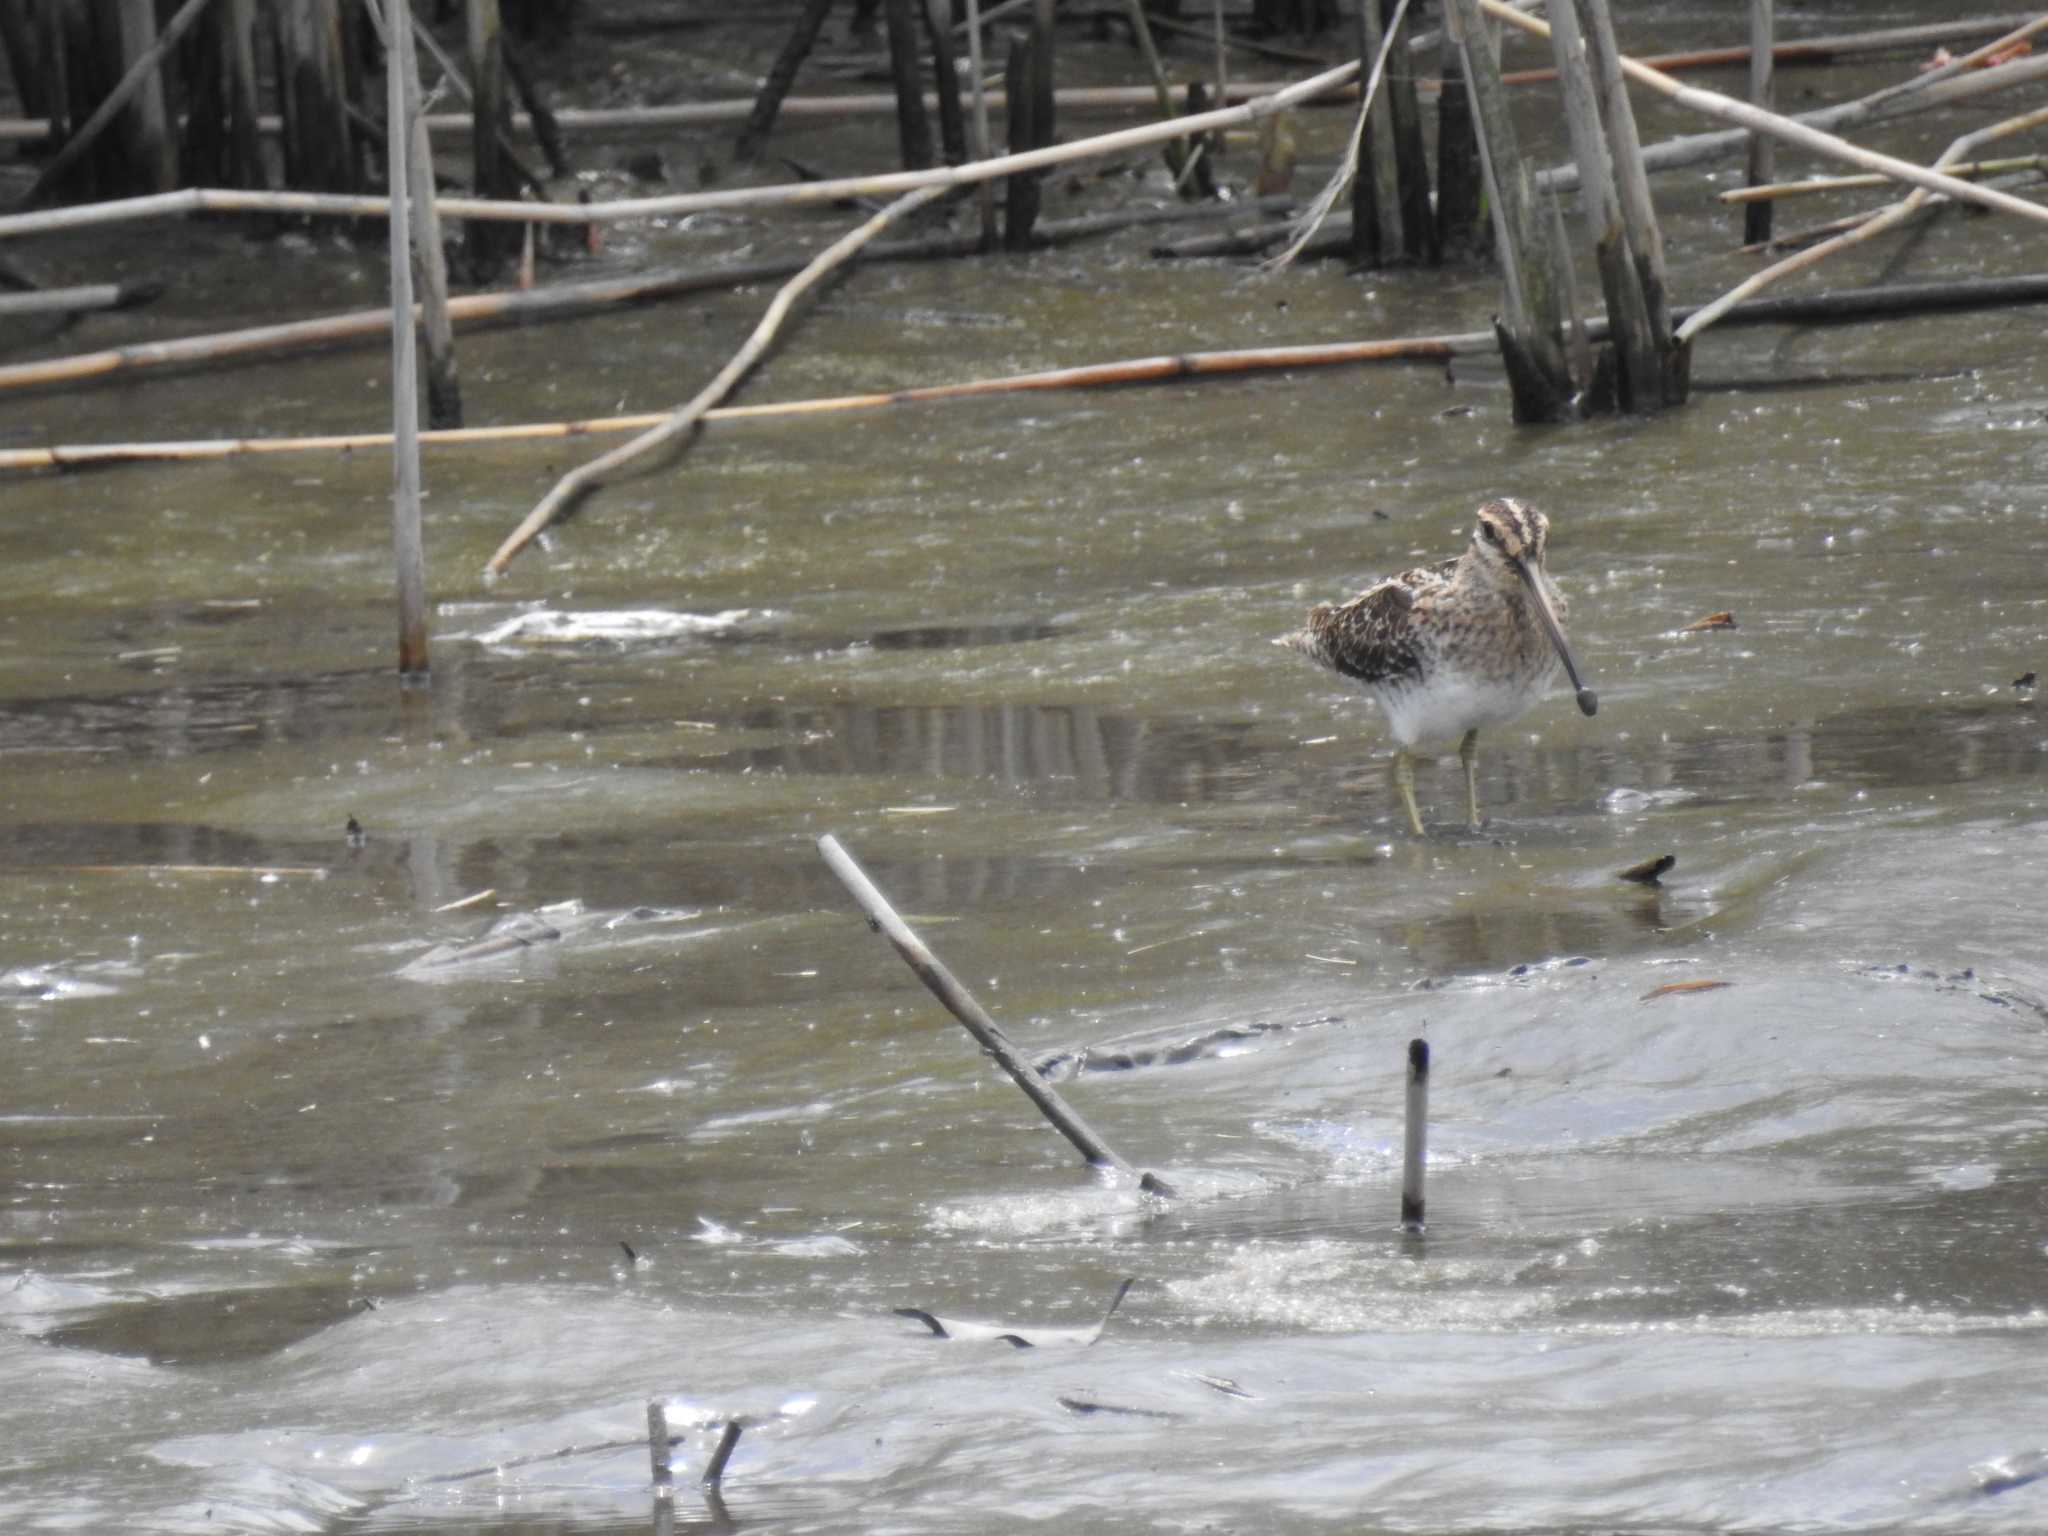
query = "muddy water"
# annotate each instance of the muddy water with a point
(310, 1227)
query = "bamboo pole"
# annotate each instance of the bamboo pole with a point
(974, 1018)
(1763, 149)
(1865, 180)
(788, 194)
(133, 85)
(493, 176)
(952, 125)
(1411, 158)
(588, 477)
(1890, 217)
(408, 548)
(1823, 308)
(444, 383)
(762, 112)
(1376, 195)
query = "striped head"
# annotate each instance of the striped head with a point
(1510, 534)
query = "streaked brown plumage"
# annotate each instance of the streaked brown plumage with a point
(1449, 648)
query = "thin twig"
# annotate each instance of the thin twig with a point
(1312, 219)
(1773, 191)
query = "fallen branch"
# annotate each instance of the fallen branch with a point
(1842, 305)
(587, 477)
(1713, 104)
(973, 1017)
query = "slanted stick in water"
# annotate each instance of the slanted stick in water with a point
(974, 1018)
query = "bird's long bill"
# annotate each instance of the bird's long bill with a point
(1589, 701)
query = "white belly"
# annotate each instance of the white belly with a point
(1451, 704)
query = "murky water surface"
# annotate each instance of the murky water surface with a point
(317, 1219)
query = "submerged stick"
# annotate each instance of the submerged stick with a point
(77, 300)
(729, 1437)
(1415, 1136)
(973, 1017)
(587, 477)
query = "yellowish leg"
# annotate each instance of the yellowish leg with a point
(1468, 754)
(1404, 783)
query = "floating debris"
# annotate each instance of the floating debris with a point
(1650, 871)
(1721, 620)
(1673, 988)
(614, 628)
(1018, 1338)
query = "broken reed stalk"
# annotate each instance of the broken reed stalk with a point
(728, 1439)
(973, 1017)
(1821, 308)
(408, 549)
(588, 477)
(1415, 1136)
(1886, 219)
(139, 73)
(1863, 181)
(1347, 168)
(787, 194)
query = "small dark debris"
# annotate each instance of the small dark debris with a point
(357, 837)
(2024, 683)
(1456, 410)
(627, 1249)
(1650, 871)
(1083, 1407)
(938, 1328)
(1721, 620)
(1381, 515)
(1224, 1385)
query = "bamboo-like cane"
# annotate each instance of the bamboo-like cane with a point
(587, 477)
(1727, 109)
(1865, 180)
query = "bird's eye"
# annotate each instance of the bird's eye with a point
(1490, 533)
